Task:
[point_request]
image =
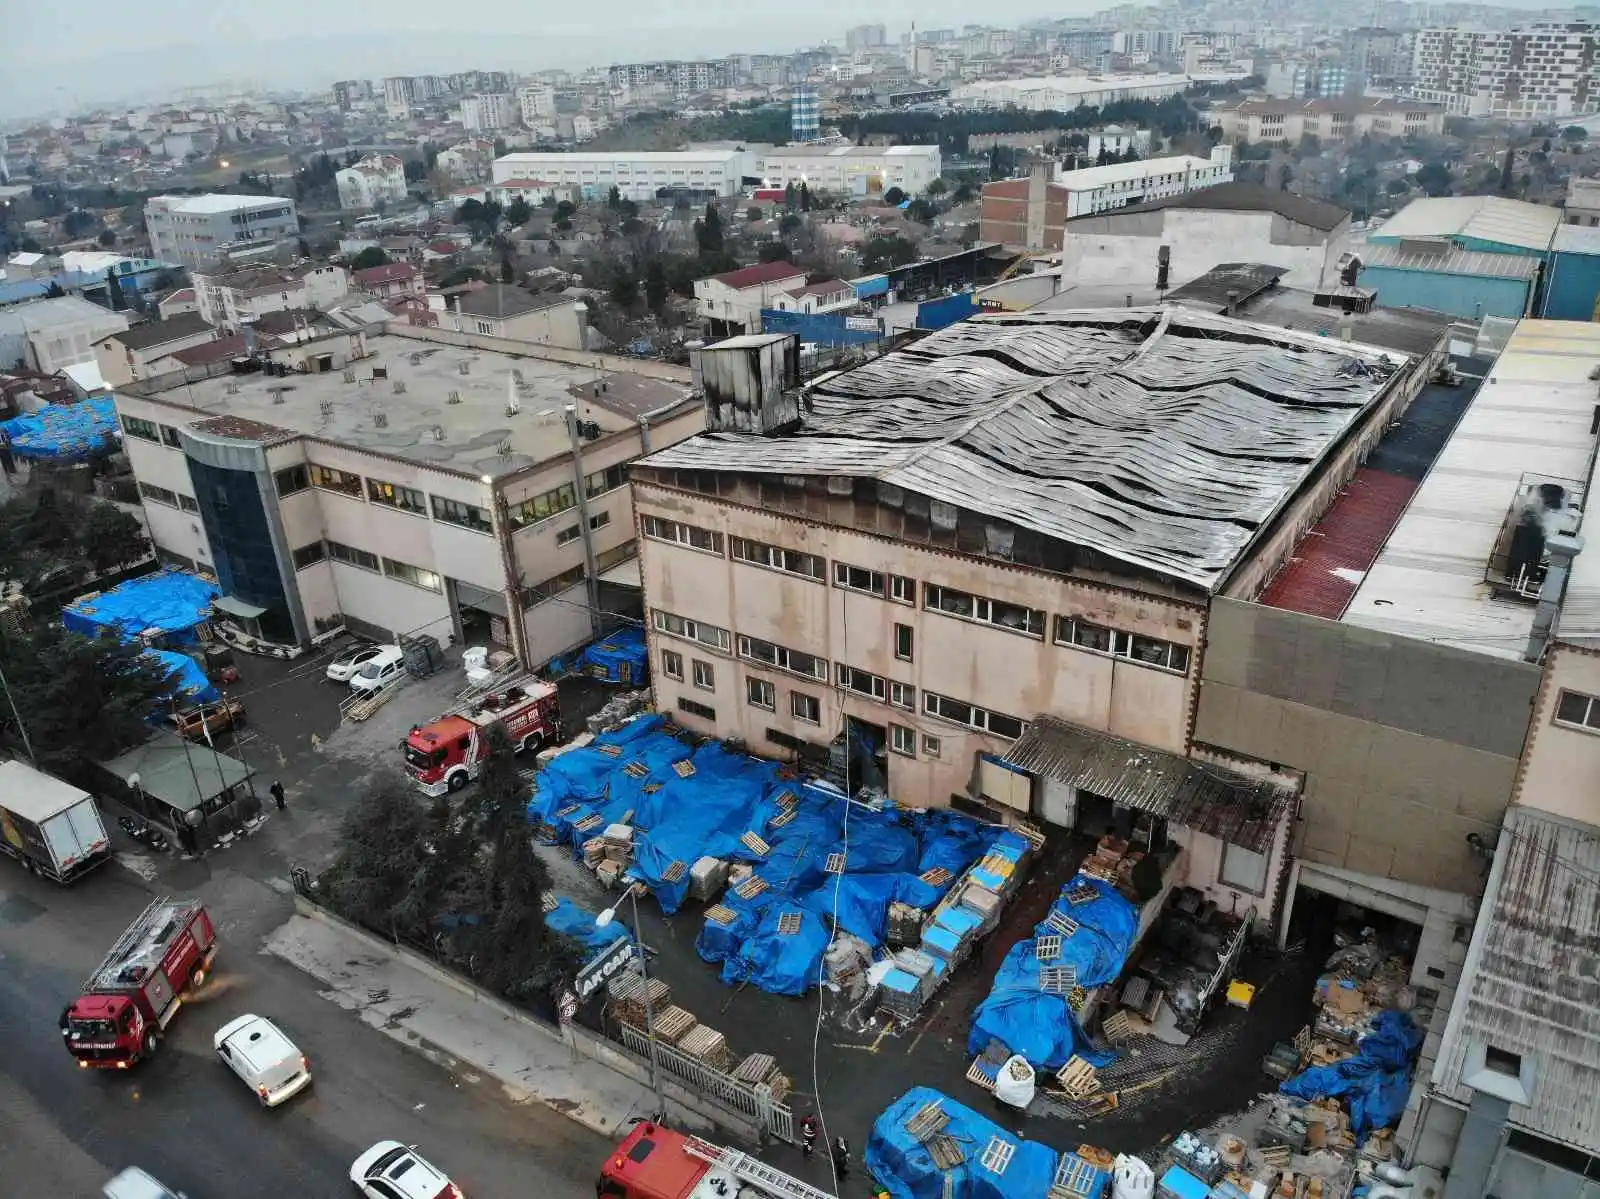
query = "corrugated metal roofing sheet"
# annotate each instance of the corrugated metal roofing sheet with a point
(1577, 239)
(1206, 798)
(1531, 984)
(1488, 218)
(1451, 262)
(1163, 438)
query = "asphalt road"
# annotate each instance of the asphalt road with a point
(187, 1119)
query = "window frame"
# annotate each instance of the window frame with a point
(352, 555)
(569, 534)
(782, 658)
(696, 709)
(933, 704)
(170, 437)
(689, 630)
(1583, 725)
(541, 507)
(846, 678)
(766, 556)
(1228, 847)
(842, 580)
(299, 476)
(1119, 643)
(671, 664)
(158, 495)
(321, 555)
(659, 528)
(443, 512)
(899, 732)
(931, 746)
(799, 699)
(415, 576)
(982, 610)
(765, 688)
(339, 482)
(908, 634)
(144, 430)
(396, 493)
(705, 675)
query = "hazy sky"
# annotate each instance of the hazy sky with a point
(96, 50)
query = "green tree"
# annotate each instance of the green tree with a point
(773, 251)
(1434, 178)
(85, 699)
(114, 294)
(614, 198)
(508, 273)
(655, 286)
(525, 960)
(415, 170)
(708, 231)
(936, 188)
(518, 212)
(382, 856)
(370, 257)
(805, 197)
(963, 192)
(921, 210)
(894, 196)
(624, 288)
(753, 213)
(791, 196)
(111, 538)
(628, 210)
(885, 253)
(108, 238)
(790, 223)
(1573, 134)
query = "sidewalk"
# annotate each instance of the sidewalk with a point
(392, 995)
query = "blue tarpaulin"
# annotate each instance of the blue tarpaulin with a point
(904, 1167)
(1374, 1083)
(188, 675)
(65, 432)
(1039, 1025)
(684, 804)
(568, 919)
(170, 601)
(619, 658)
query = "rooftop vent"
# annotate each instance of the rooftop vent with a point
(326, 407)
(380, 420)
(454, 398)
(399, 387)
(380, 372)
(464, 367)
(277, 394)
(1542, 508)
(232, 388)
(504, 448)
(349, 376)
(438, 432)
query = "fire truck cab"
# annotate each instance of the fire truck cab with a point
(653, 1162)
(446, 753)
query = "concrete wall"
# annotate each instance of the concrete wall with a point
(1113, 247)
(172, 529)
(606, 362)
(1573, 287)
(1470, 296)
(977, 663)
(1561, 766)
(1406, 747)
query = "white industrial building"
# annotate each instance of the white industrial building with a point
(1118, 184)
(198, 231)
(1066, 92)
(376, 180)
(846, 170)
(636, 174)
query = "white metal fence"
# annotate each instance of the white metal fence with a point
(754, 1101)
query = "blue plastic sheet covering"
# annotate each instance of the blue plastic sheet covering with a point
(188, 675)
(903, 1166)
(632, 776)
(568, 919)
(1374, 1083)
(171, 601)
(65, 432)
(619, 658)
(1039, 1025)
(936, 314)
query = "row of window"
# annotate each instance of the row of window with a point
(559, 499)
(173, 499)
(292, 479)
(570, 533)
(148, 430)
(317, 551)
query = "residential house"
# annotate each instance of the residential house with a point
(47, 335)
(826, 295)
(125, 357)
(505, 311)
(236, 298)
(374, 181)
(467, 161)
(390, 281)
(731, 303)
(176, 302)
(25, 265)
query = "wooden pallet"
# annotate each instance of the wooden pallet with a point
(787, 799)
(751, 887)
(721, 914)
(1075, 1179)
(1082, 894)
(789, 923)
(977, 1075)
(1061, 922)
(947, 1153)
(755, 845)
(1078, 1078)
(937, 877)
(1048, 947)
(683, 769)
(755, 1069)
(610, 751)
(673, 1023)
(782, 818)
(1106, 872)
(929, 1119)
(563, 813)
(588, 824)
(1118, 1026)
(675, 872)
(650, 788)
(1058, 980)
(834, 864)
(997, 1154)
(706, 1045)
(1276, 1156)
(1031, 833)
(636, 770)
(549, 902)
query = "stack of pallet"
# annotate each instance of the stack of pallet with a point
(707, 877)
(635, 999)
(672, 1023)
(1078, 1078)
(1105, 860)
(707, 1046)
(905, 923)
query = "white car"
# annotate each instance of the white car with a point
(258, 1052)
(381, 670)
(134, 1183)
(390, 1170)
(347, 665)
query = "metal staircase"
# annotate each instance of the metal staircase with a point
(748, 1169)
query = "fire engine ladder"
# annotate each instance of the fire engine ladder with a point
(362, 704)
(507, 676)
(757, 1173)
(131, 936)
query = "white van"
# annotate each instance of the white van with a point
(381, 670)
(258, 1052)
(134, 1183)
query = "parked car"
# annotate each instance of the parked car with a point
(390, 1170)
(347, 665)
(268, 1062)
(216, 718)
(383, 668)
(134, 1183)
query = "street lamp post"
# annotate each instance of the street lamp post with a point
(601, 921)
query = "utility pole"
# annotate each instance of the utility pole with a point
(591, 582)
(17, 716)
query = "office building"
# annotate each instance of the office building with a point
(397, 485)
(199, 231)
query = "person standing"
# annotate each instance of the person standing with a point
(277, 794)
(841, 1157)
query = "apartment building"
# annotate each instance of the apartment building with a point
(200, 232)
(909, 575)
(234, 298)
(374, 181)
(392, 281)
(684, 78)
(1533, 73)
(488, 112)
(502, 311)
(1330, 121)
(637, 175)
(536, 102)
(466, 161)
(409, 482)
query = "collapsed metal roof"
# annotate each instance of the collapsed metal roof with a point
(1165, 438)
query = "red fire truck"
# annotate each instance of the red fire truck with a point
(134, 994)
(445, 753)
(653, 1162)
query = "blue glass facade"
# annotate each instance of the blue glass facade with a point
(236, 525)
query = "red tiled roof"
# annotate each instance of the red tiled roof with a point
(444, 247)
(181, 296)
(826, 288)
(389, 272)
(1329, 564)
(765, 272)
